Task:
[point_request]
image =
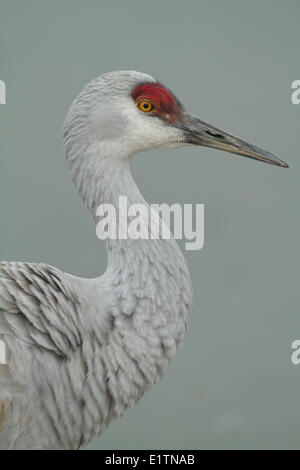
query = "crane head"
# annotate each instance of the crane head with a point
(135, 112)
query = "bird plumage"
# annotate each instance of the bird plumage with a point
(81, 351)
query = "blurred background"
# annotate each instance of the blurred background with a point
(232, 384)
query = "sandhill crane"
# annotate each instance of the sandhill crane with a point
(81, 351)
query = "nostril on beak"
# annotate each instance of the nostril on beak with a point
(214, 134)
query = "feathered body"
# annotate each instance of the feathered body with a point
(81, 351)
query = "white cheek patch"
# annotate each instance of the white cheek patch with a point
(149, 132)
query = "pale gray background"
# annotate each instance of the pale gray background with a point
(231, 62)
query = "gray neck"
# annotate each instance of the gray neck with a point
(102, 176)
(149, 278)
(144, 295)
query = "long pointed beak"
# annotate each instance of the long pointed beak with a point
(197, 132)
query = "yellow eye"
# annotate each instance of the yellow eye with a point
(145, 106)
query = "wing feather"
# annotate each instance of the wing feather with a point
(38, 325)
(36, 308)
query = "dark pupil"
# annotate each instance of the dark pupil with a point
(146, 105)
